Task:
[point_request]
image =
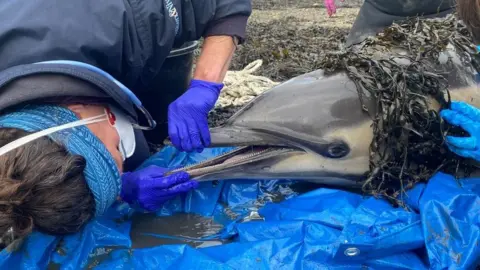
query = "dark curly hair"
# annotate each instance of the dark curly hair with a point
(42, 187)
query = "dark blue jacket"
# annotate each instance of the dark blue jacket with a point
(127, 38)
(130, 39)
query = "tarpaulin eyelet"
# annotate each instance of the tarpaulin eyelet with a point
(351, 252)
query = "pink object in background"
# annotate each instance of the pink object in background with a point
(331, 7)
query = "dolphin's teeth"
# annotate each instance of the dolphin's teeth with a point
(235, 157)
(239, 160)
(208, 161)
(243, 156)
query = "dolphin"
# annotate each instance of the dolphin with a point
(310, 128)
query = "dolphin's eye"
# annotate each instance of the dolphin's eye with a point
(338, 150)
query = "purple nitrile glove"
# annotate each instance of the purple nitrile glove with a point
(188, 116)
(150, 189)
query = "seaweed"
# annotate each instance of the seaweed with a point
(288, 46)
(399, 71)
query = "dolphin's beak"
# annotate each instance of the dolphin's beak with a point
(235, 136)
(250, 147)
(236, 158)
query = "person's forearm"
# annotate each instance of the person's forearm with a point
(215, 58)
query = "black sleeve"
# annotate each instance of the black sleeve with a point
(130, 39)
(202, 18)
(110, 34)
(158, 25)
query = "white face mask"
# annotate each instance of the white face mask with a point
(125, 131)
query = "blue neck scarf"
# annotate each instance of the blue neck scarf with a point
(101, 172)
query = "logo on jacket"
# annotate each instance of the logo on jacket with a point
(172, 13)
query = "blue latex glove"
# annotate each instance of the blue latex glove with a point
(150, 189)
(467, 117)
(188, 116)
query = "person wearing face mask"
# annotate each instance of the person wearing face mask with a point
(71, 124)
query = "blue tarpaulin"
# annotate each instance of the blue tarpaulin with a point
(321, 229)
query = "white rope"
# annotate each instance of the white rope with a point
(242, 86)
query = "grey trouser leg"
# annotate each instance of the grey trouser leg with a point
(375, 15)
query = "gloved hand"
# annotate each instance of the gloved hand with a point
(467, 117)
(150, 189)
(188, 116)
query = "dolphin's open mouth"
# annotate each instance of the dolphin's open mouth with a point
(238, 156)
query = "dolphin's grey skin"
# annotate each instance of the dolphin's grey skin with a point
(320, 116)
(317, 122)
(311, 128)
